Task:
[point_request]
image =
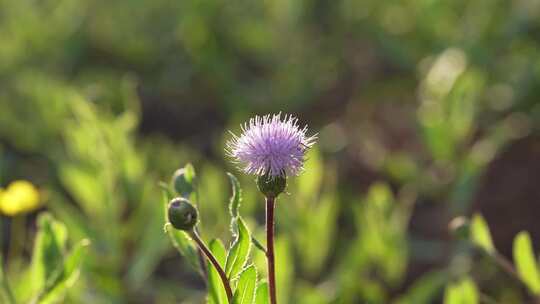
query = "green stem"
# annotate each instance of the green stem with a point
(487, 299)
(17, 235)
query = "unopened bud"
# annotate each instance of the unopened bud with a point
(183, 181)
(182, 214)
(459, 227)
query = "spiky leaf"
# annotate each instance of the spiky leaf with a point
(239, 252)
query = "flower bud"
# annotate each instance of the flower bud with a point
(182, 214)
(182, 182)
(460, 228)
(271, 186)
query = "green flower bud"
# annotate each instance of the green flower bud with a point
(460, 228)
(182, 214)
(271, 186)
(183, 180)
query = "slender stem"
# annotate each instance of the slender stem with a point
(506, 265)
(487, 299)
(17, 236)
(204, 271)
(270, 204)
(214, 262)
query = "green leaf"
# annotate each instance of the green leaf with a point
(49, 247)
(238, 255)
(258, 244)
(245, 290)
(64, 276)
(285, 268)
(183, 181)
(6, 295)
(262, 296)
(217, 292)
(315, 253)
(236, 197)
(525, 262)
(480, 234)
(461, 292)
(309, 183)
(425, 289)
(180, 239)
(190, 173)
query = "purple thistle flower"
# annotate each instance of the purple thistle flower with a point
(270, 145)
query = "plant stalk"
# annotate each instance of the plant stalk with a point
(214, 262)
(17, 236)
(201, 255)
(270, 204)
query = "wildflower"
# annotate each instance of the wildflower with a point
(271, 146)
(19, 197)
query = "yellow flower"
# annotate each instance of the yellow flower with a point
(19, 197)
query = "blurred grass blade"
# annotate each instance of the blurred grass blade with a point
(217, 293)
(525, 262)
(315, 253)
(239, 252)
(480, 234)
(309, 183)
(461, 292)
(49, 247)
(64, 276)
(245, 290)
(425, 289)
(262, 295)
(284, 269)
(7, 294)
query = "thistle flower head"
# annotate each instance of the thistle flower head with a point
(270, 145)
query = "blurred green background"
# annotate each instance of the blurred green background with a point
(425, 110)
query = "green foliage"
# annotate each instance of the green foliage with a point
(463, 291)
(419, 95)
(261, 296)
(6, 295)
(216, 290)
(480, 234)
(525, 261)
(425, 289)
(239, 251)
(54, 267)
(381, 228)
(236, 197)
(245, 289)
(180, 239)
(233, 261)
(49, 248)
(183, 181)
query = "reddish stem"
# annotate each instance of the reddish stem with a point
(270, 204)
(214, 262)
